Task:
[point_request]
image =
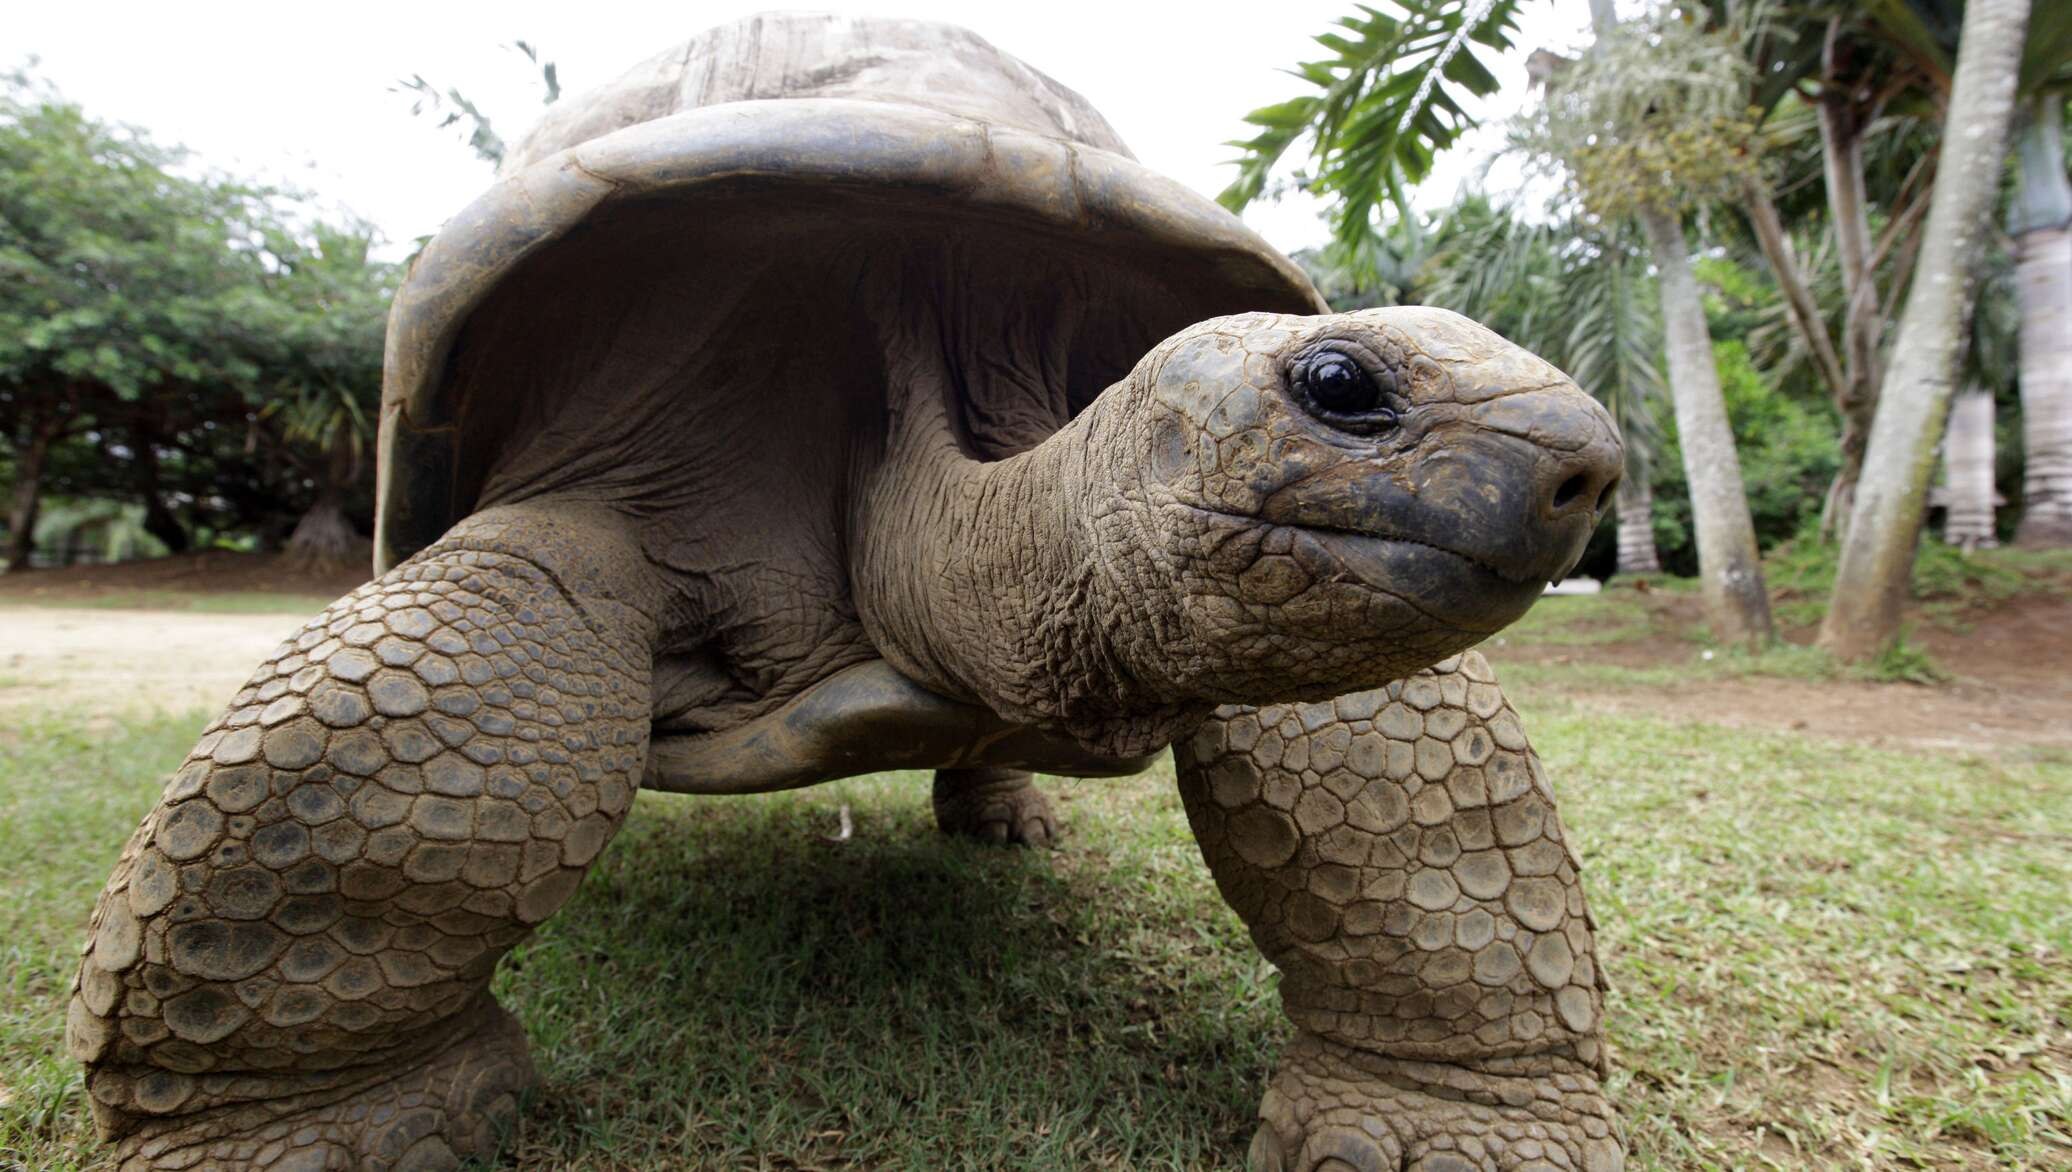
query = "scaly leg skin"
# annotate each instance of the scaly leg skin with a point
(994, 805)
(289, 968)
(1397, 854)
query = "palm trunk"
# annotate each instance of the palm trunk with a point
(1968, 473)
(1636, 504)
(2043, 273)
(1729, 567)
(1877, 557)
(31, 456)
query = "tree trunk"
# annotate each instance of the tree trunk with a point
(1968, 473)
(29, 460)
(1848, 385)
(159, 520)
(1804, 309)
(1863, 323)
(1885, 526)
(2043, 273)
(1636, 505)
(1728, 565)
(324, 538)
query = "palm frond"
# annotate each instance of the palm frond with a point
(1391, 95)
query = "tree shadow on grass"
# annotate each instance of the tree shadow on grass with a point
(732, 989)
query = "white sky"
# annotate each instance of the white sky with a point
(301, 93)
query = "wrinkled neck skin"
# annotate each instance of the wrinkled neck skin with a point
(1019, 583)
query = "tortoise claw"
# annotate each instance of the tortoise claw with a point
(1266, 1154)
(1344, 1149)
(1335, 1109)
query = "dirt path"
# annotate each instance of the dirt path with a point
(1966, 714)
(128, 662)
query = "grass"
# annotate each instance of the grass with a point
(1820, 958)
(1596, 620)
(185, 601)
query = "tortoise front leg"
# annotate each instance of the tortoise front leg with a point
(289, 967)
(1397, 854)
(993, 805)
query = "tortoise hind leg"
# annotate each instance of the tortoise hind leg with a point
(290, 965)
(1396, 853)
(993, 805)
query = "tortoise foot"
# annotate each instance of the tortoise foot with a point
(1000, 806)
(459, 1103)
(1334, 1109)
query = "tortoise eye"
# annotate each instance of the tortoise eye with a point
(1339, 391)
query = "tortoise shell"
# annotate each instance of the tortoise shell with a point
(812, 197)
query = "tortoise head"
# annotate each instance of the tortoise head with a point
(1336, 501)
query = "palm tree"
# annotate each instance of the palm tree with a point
(1875, 75)
(2041, 224)
(1989, 377)
(1388, 267)
(1613, 337)
(1877, 559)
(327, 312)
(1648, 124)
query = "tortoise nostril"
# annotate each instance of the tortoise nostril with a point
(1570, 489)
(1604, 498)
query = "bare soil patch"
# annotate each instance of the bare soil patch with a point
(127, 664)
(1960, 715)
(162, 636)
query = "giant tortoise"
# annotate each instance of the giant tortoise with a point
(828, 396)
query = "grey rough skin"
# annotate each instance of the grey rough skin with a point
(823, 399)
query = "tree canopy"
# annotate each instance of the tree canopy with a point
(195, 343)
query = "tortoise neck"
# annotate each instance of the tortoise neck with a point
(995, 582)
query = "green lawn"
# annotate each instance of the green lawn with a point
(1820, 957)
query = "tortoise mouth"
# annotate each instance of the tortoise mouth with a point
(1365, 545)
(1444, 584)
(1447, 585)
